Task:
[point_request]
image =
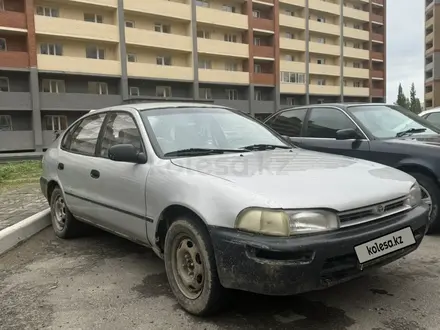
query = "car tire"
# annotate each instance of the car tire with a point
(64, 223)
(431, 187)
(191, 268)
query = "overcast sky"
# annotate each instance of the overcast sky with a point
(405, 46)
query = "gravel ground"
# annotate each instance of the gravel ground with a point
(105, 282)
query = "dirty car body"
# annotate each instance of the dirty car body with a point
(248, 210)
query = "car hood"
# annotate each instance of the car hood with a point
(301, 178)
(419, 139)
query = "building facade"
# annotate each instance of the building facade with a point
(61, 58)
(432, 54)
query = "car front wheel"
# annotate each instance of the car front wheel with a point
(191, 268)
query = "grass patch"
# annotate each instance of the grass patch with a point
(16, 173)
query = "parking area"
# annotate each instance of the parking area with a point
(105, 282)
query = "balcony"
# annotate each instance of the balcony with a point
(327, 49)
(292, 22)
(262, 24)
(298, 3)
(141, 37)
(162, 72)
(377, 37)
(324, 28)
(356, 73)
(357, 14)
(14, 59)
(101, 3)
(263, 79)
(356, 91)
(356, 34)
(242, 105)
(79, 65)
(325, 7)
(293, 44)
(429, 95)
(223, 76)
(15, 101)
(16, 140)
(286, 88)
(375, 18)
(377, 92)
(166, 9)
(377, 2)
(222, 48)
(75, 29)
(325, 90)
(429, 37)
(13, 20)
(377, 56)
(263, 106)
(263, 51)
(429, 22)
(77, 101)
(377, 74)
(289, 66)
(351, 52)
(221, 18)
(325, 70)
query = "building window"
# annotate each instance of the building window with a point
(356, 65)
(357, 84)
(203, 34)
(232, 94)
(256, 13)
(131, 58)
(96, 87)
(258, 95)
(55, 123)
(202, 3)
(321, 40)
(163, 91)
(163, 60)
(257, 68)
(53, 86)
(94, 52)
(321, 82)
(93, 18)
(205, 64)
(5, 123)
(129, 24)
(293, 78)
(291, 101)
(51, 49)
(289, 58)
(205, 93)
(231, 66)
(320, 61)
(162, 28)
(2, 5)
(357, 45)
(321, 19)
(4, 84)
(230, 9)
(3, 46)
(47, 11)
(289, 12)
(357, 26)
(257, 41)
(230, 38)
(290, 35)
(134, 91)
(320, 101)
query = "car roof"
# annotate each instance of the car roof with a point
(158, 105)
(429, 111)
(343, 105)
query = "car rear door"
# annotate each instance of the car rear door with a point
(319, 133)
(288, 123)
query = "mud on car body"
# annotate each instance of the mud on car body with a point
(227, 211)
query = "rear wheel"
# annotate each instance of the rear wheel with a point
(431, 196)
(63, 222)
(191, 268)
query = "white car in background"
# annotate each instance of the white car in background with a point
(432, 115)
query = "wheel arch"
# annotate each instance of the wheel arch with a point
(417, 166)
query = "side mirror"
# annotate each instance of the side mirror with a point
(126, 153)
(347, 134)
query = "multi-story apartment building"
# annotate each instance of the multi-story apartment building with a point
(61, 58)
(432, 53)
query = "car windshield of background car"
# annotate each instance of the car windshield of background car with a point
(210, 128)
(384, 122)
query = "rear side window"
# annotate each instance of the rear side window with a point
(67, 138)
(288, 123)
(434, 118)
(325, 122)
(85, 136)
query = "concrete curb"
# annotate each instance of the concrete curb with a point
(21, 231)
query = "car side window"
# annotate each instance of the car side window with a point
(86, 135)
(120, 129)
(433, 118)
(325, 122)
(288, 123)
(67, 138)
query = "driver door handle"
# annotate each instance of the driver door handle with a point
(94, 174)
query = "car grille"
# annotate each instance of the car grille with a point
(373, 212)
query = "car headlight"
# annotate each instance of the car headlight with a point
(286, 223)
(415, 196)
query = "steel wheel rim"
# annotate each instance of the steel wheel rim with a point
(59, 213)
(187, 266)
(427, 199)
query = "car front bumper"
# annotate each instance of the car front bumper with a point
(286, 266)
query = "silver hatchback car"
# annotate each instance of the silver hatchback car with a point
(226, 202)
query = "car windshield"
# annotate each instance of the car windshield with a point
(201, 129)
(386, 121)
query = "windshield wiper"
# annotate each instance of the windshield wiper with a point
(200, 152)
(253, 147)
(410, 131)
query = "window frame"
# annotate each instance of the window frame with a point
(5, 43)
(279, 113)
(97, 49)
(57, 89)
(130, 88)
(58, 117)
(6, 79)
(11, 125)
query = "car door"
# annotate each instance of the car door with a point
(320, 129)
(75, 158)
(289, 124)
(121, 185)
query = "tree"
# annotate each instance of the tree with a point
(401, 98)
(414, 104)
